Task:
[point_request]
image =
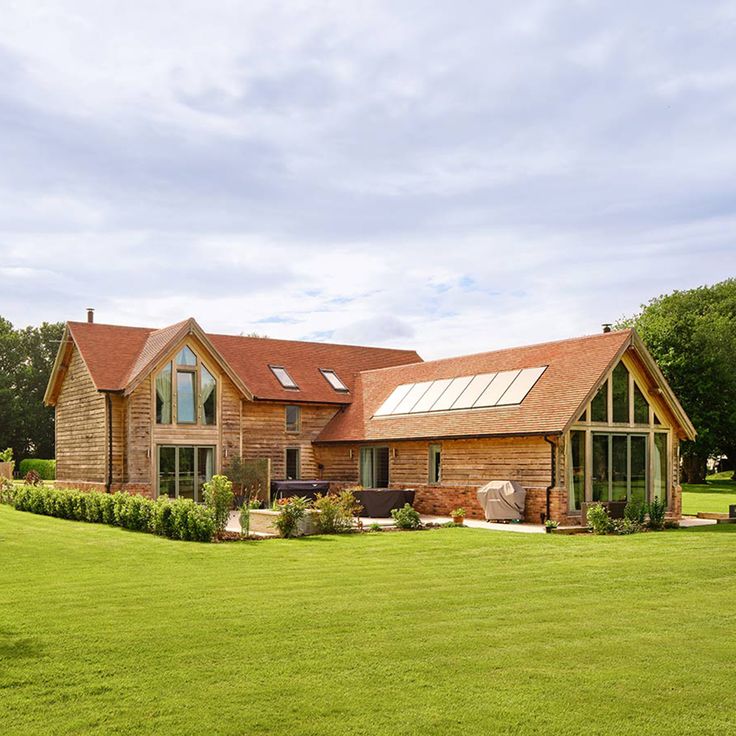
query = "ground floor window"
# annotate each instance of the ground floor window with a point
(617, 466)
(435, 464)
(374, 467)
(183, 470)
(293, 463)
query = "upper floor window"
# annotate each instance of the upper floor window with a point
(293, 418)
(283, 377)
(191, 396)
(333, 379)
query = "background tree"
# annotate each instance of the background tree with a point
(692, 335)
(26, 359)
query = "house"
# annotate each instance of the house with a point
(574, 421)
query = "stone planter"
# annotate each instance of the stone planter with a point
(262, 522)
(6, 469)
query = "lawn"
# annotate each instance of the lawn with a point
(454, 631)
(715, 495)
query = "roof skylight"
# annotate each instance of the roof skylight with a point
(506, 388)
(333, 379)
(283, 377)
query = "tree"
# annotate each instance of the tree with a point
(26, 359)
(692, 335)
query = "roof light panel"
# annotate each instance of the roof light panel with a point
(333, 379)
(496, 389)
(393, 400)
(521, 386)
(431, 395)
(283, 376)
(451, 393)
(473, 390)
(414, 394)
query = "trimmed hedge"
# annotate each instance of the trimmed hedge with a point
(173, 518)
(46, 469)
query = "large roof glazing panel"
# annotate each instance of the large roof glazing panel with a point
(496, 390)
(451, 393)
(393, 400)
(432, 394)
(414, 394)
(473, 390)
(522, 385)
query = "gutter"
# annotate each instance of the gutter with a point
(553, 474)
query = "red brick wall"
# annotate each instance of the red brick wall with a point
(144, 489)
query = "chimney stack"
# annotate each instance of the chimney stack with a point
(606, 327)
(90, 315)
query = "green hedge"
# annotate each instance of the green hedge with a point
(46, 469)
(173, 518)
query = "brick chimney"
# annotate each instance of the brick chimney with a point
(90, 315)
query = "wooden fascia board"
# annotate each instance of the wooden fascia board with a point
(190, 327)
(49, 397)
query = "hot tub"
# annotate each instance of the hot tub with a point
(302, 488)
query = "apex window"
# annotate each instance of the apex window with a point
(186, 391)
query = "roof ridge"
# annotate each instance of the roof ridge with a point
(506, 350)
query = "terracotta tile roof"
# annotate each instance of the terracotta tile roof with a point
(574, 368)
(250, 358)
(115, 355)
(109, 351)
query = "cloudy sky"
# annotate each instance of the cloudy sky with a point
(452, 177)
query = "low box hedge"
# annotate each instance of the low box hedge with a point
(173, 518)
(46, 469)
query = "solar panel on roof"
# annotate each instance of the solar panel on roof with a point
(431, 395)
(522, 385)
(482, 391)
(473, 390)
(415, 393)
(450, 394)
(393, 400)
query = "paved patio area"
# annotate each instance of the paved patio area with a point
(233, 524)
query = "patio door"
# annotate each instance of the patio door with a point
(183, 470)
(374, 467)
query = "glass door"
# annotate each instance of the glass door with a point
(183, 470)
(620, 467)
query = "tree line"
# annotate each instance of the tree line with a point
(691, 334)
(26, 359)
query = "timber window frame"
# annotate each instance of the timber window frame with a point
(375, 466)
(592, 433)
(293, 423)
(293, 457)
(203, 458)
(186, 370)
(434, 472)
(334, 380)
(284, 378)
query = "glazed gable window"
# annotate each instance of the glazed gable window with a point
(186, 391)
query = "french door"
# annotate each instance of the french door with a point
(183, 470)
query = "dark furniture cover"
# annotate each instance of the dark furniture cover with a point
(378, 502)
(303, 488)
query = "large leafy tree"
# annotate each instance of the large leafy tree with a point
(26, 359)
(692, 335)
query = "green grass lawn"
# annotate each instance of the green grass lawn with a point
(715, 495)
(455, 631)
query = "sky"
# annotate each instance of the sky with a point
(449, 177)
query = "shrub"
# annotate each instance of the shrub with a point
(626, 526)
(635, 511)
(336, 512)
(6, 456)
(374, 527)
(291, 512)
(406, 517)
(46, 469)
(598, 519)
(177, 519)
(32, 478)
(657, 511)
(7, 489)
(219, 496)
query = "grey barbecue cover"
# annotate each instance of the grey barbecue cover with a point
(502, 499)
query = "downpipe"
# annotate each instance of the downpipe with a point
(553, 478)
(108, 402)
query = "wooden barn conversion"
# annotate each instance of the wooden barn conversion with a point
(573, 421)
